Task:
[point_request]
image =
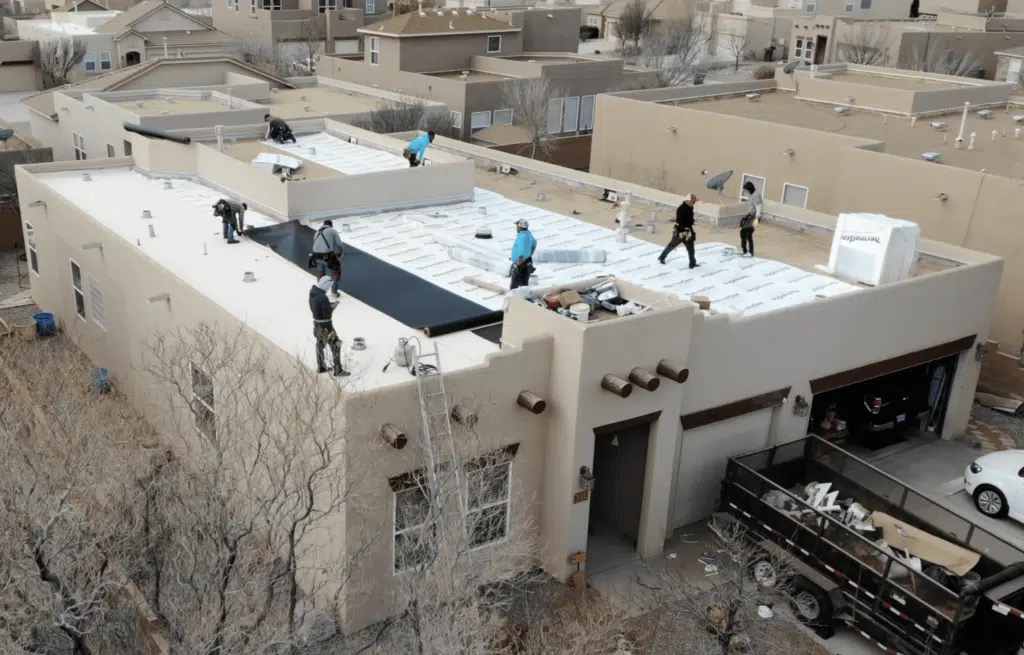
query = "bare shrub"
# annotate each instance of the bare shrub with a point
(57, 58)
(530, 101)
(764, 73)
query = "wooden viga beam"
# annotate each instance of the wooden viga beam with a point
(667, 369)
(618, 386)
(393, 437)
(531, 401)
(644, 379)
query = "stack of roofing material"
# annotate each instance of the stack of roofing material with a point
(580, 256)
(873, 249)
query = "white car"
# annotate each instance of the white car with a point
(996, 482)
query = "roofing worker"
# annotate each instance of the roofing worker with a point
(753, 217)
(416, 148)
(522, 254)
(328, 252)
(683, 231)
(323, 327)
(232, 217)
(277, 130)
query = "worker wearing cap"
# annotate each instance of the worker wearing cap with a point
(522, 254)
(683, 231)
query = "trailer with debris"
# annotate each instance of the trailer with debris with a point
(902, 570)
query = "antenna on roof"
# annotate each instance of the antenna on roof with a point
(790, 67)
(717, 182)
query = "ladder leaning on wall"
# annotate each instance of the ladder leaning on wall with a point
(435, 413)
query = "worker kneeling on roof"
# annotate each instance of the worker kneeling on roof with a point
(328, 252)
(232, 216)
(522, 255)
(323, 327)
(277, 130)
(417, 148)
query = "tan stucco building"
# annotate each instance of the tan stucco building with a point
(465, 59)
(748, 372)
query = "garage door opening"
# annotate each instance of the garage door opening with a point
(887, 409)
(616, 501)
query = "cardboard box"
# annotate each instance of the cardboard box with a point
(569, 298)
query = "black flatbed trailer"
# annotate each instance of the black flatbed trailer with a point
(910, 614)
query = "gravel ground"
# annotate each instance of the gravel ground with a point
(1011, 426)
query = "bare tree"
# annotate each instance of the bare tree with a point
(311, 43)
(634, 24)
(271, 60)
(932, 58)
(736, 45)
(744, 605)
(677, 50)
(405, 115)
(867, 44)
(530, 101)
(57, 58)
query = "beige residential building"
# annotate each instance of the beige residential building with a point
(890, 139)
(466, 59)
(604, 462)
(20, 69)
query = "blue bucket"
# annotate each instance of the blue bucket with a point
(45, 325)
(99, 380)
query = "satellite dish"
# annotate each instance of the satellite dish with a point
(717, 182)
(5, 135)
(790, 67)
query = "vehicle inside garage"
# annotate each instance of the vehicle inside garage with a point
(876, 411)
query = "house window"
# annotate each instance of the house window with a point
(234, 3)
(110, 151)
(96, 302)
(252, 6)
(757, 181)
(76, 289)
(812, 7)
(1013, 71)
(370, 7)
(274, 5)
(494, 43)
(795, 195)
(30, 241)
(374, 50)
(865, 4)
(413, 543)
(502, 116)
(478, 120)
(127, 148)
(586, 114)
(555, 116)
(327, 5)
(487, 511)
(79, 144)
(456, 117)
(202, 402)
(572, 115)
(90, 62)
(106, 63)
(849, 6)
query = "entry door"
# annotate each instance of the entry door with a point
(702, 460)
(820, 48)
(1013, 72)
(620, 466)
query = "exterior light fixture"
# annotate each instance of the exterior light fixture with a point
(38, 203)
(587, 478)
(942, 197)
(980, 352)
(93, 245)
(800, 406)
(160, 297)
(788, 152)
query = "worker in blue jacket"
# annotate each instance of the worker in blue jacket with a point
(522, 254)
(416, 148)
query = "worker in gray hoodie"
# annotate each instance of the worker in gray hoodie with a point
(753, 217)
(323, 328)
(328, 252)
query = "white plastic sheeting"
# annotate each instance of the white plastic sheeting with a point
(570, 256)
(480, 260)
(873, 249)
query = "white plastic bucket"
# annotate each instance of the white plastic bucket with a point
(580, 311)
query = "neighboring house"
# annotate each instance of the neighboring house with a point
(1010, 63)
(913, 44)
(21, 148)
(615, 467)
(20, 66)
(59, 129)
(465, 60)
(606, 17)
(933, 7)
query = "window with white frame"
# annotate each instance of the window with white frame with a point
(327, 5)
(487, 509)
(586, 114)
(811, 7)
(252, 6)
(274, 5)
(30, 243)
(794, 195)
(555, 116)
(90, 62)
(413, 538)
(110, 151)
(96, 302)
(235, 4)
(370, 7)
(1013, 70)
(203, 408)
(79, 143)
(849, 6)
(374, 50)
(76, 289)
(502, 117)
(571, 116)
(106, 63)
(457, 122)
(494, 43)
(756, 180)
(478, 120)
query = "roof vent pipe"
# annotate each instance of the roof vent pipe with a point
(147, 214)
(168, 185)
(152, 232)
(219, 131)
(165, 46)
(963, 121)
(86, 177)
(231, 99)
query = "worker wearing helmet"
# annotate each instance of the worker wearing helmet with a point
(522, 254)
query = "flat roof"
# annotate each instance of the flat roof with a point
(474, 75)
(417, 240)
(907, 82)
(189, 246)
(156, 106)
(246, 151)
(291, 103)
(549, 59)
(1001, 157)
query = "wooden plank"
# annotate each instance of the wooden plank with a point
(734, 409)
(20, 299)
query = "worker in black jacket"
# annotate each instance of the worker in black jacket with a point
(278, 131)
(683, 231)
(323, 327)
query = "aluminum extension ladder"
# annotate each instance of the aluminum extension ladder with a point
(435, 413)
